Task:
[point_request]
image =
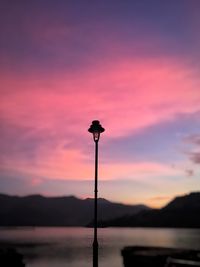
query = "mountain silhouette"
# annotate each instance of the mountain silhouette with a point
(182, 212)
(37, 210)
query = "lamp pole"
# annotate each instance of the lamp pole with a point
(96, 129)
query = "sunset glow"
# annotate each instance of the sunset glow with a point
(133, 65)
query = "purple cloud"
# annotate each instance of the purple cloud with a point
(194, 155)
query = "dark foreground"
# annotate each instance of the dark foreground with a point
(9, 257)
(137, 256)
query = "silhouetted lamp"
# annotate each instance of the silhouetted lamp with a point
(96, 129)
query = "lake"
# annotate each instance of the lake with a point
(72, 247)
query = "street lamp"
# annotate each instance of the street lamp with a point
(96, 129)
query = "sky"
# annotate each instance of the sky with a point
(132, 65)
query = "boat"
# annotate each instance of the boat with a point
(143, 256)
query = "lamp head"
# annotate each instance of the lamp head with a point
(96, 129)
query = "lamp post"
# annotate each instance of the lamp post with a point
(96, 129)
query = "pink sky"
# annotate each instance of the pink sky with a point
(137, 81)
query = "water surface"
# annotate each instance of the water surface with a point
(72, 247)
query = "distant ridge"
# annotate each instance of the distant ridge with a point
(181, 212)
(189, 201)
(37, 210)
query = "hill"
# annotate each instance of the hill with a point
(37, 210)
(182, 212)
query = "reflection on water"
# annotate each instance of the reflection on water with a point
(72, 247)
